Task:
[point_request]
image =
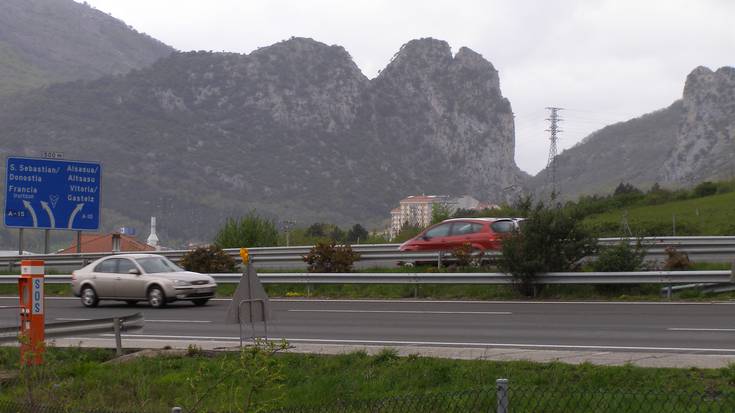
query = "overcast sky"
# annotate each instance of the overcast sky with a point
(602, 60)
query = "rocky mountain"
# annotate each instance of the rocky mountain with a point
(46, 41)
(691, 141)
(294, 130)
(705, 145)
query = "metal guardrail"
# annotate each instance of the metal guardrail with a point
(639, 277)
(70, 328)
(722, 247)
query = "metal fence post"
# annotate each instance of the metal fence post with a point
(118, 338)
(501, 386)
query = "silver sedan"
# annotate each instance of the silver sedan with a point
(140, 277)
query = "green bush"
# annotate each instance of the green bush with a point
(706, 188)
(619, 257)
(329, 257)
(208, 260)
(439, 212)
(552, 239)
(408, 231)
(248, 231)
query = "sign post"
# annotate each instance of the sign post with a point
(52, 194)
(30, 289)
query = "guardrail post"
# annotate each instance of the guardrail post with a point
(308, 285)
(118, 338)
(501, 387)
(439, 260)
(732, 272)
(669, 290)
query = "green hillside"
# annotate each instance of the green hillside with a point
(17, 74)
(710, 215)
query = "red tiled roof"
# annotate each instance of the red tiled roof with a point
(103, 243)
(422, 198)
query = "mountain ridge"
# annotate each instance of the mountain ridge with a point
(688, 142)
(294, 130)
(48, 41)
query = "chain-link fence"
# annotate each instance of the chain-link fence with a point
(503, 398)
(464, 401)
(12, 407)
(536, 399)
(528, 399)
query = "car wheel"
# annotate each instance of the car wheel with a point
(131, 302)
(200, 301)
(156, 297)
(89, 297)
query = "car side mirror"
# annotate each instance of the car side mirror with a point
(134, 271)
(425, 237)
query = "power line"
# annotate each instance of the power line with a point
(553, 130)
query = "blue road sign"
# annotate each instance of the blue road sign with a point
(52, 194)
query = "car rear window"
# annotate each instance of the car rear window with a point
(503, 226)
(464, 228)
(155, 265)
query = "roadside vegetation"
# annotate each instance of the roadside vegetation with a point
(268, 378)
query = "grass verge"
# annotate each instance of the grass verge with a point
(79, 379)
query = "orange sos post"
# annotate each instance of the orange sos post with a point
(30, 288)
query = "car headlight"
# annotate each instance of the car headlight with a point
(181, 283)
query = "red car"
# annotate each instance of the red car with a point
(482, 233)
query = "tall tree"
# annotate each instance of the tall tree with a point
(356, 234)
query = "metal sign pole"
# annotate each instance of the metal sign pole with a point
(20, 241)
(46, 233)
(79, 242)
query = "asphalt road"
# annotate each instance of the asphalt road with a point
(706, 328)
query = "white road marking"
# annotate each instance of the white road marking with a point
(700, 329)
(403, 312)
(146, 320)
(428, 301)
(177, 321)
(434, 343)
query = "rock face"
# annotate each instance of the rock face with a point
(46, 41)
(294, 130)
(690, 141)
(458, 129)
(705, 145)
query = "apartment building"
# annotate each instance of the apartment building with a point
(417, 210)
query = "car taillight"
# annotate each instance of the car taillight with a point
(73, 277)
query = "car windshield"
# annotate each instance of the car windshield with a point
(154, 265)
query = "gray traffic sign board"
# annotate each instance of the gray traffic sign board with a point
(52, 194)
